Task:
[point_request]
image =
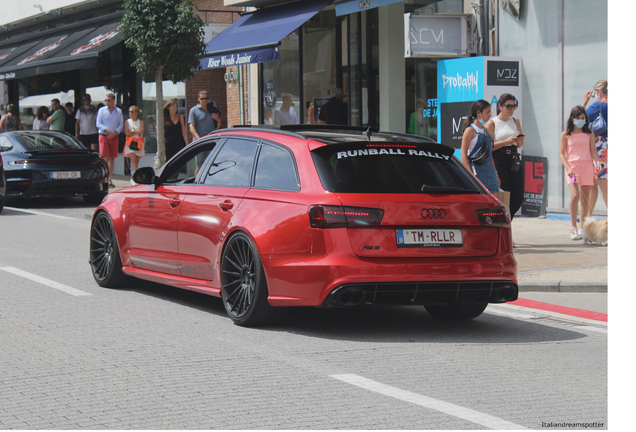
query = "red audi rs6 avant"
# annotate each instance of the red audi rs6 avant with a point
(310, 216)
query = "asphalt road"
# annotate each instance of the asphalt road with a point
(75, 355)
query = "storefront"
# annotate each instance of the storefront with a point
(309, 49)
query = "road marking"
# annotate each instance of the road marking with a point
(39, 213)
(562, 269)
(428, 402)
(47, 282)
(563, 310)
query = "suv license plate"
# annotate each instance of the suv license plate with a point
(63, 175)
(429, 238)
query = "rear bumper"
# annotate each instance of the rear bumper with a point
(53, 188)
(423, 293)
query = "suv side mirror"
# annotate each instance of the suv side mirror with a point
(145, 175)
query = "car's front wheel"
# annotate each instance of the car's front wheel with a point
(244, 288)
(456, 312)
(104, 254)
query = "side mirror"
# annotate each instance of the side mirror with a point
(145, 175)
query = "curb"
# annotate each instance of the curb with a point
(563, 287)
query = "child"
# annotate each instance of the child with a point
(577, 151)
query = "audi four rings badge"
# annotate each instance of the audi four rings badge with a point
(433, 213)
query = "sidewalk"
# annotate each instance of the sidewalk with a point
(551, 267)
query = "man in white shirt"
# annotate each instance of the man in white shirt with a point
(85, 127)
(285, 114)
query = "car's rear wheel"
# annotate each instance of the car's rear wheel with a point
(104, 254)
(456, 312)
(244, 288)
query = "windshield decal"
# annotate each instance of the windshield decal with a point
(390, 151)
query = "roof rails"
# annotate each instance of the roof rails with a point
(302, 130)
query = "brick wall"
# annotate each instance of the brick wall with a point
(226, 95)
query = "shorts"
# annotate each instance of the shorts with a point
(139, 153)
(108, 148)
(89, 140)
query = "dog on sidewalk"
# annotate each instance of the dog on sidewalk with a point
(595, 231)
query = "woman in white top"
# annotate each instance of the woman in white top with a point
(134, 127)
(508, 137)
(39, 122)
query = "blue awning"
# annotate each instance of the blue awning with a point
(255, 37)
(345, 7)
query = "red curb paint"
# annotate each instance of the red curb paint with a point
(581, 313)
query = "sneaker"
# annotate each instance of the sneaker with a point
(111, 184)
(574, 235)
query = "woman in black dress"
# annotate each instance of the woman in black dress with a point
(174, 128)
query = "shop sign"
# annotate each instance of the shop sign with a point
(503, 73)
(270, 94)
(430, 35)
(536, 186)
(8, 75)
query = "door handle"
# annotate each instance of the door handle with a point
(226, 205)
(174, 202)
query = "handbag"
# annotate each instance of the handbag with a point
(135, 143)
(480, 154)
(599, 125)
(515, 162)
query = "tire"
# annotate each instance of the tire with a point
(244, 288)
(95, 199)
(456, 312)
(104, 253)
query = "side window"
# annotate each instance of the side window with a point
(276, 169)
(185, 168)
(5, 144)
(232, 166)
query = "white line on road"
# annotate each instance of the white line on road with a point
(39, 213)
(428, 402)
(44, 281)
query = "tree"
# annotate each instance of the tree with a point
(167, 38)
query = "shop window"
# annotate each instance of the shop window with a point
(282, 77)
(421, 97)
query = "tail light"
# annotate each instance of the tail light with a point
(321, 216)
(494, 216)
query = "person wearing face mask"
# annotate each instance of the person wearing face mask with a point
(577, 151)
(508, 136)
(599, 106)
(474, 133)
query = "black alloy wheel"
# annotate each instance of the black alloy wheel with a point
(456, 312)
(244, 288)
(104, 254)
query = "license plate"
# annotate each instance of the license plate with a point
(429, 238)
(63, 175)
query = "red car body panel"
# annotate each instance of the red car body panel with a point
(175, 235)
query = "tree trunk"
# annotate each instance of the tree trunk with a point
(160, 159)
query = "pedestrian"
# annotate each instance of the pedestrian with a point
(69, 121)
(417, 124)
(110, 123)
(58, 116)
(200, 120)
(10, 121)
(85, 125)
(215, 112)
(174, 128)
(134, 129)
(335, 111)
(599, 107)
(508, 137)
(285, 113)
(39, 122)
(577, 151)
(474, 134)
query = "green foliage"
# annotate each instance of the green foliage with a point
(164, 33)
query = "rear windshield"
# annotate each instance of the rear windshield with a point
(39, 141)
(392, 168)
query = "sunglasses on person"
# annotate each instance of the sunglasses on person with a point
(203, 98)
(512, 107)
(173, 106)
